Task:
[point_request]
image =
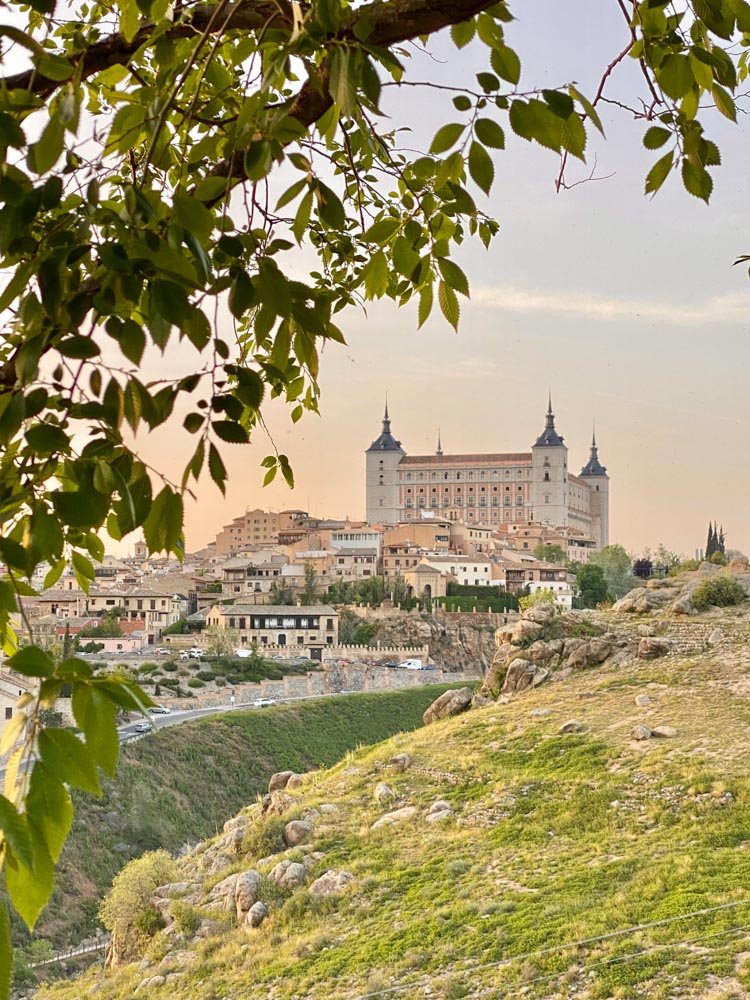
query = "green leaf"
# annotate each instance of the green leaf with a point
(162, 528)
(258, 159)
(241, 294)
(45, 153)
(588, 107)
(463, 32)
(78, 347)
(15, 832)
(506, 64)
(210, 188)
(6, 953)
(382, 230)
(216, 467)
(342, 86)
(46, 439)
(192, 214)
(573, 135)
(425, 304)
(454, 276)
(330, 209)
(129, 19)
(659, 173)
(449, 304)
(675, 76)
(302, 218)
(655, 137)
(230, 431)
(30, 887)
(95, 714)
(54, 574)
(68, 759)
(481, 167)
(376, 275)
(446, 137)
(724, 102)
(697, 180)
(489, 133)
(32, 662)
(49, 808)
(82, 570)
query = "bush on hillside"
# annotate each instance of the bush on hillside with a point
(546, 596)
(720, 591)
(125, 909)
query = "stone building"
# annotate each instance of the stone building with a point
(309, 628)
(491, 489)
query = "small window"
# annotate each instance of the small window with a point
(8, 712)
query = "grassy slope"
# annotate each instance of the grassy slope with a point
(555, 838)
(181, 784)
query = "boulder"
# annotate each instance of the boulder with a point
(526, 632)
(438, 811)
(523, 674)
(279, 802)
(246, 891)
(650, 647)
(716, 636)
(640, 732)
(449, 703)
(539, 651)
(256, 914)
(297, 832)
(288, 874)
(642, 700)
(540, 713)
(401, 762)
(591, 652)
(383, 792)
(331, 883)
(665, 732)
(646, 630)
(572, 726)
(542, 614)
(295, 780)
(221, 897)
(683, 605)
(279, 780)
(398, 816)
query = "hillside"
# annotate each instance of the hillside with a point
(183, 782)
(601, 861)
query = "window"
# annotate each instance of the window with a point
(8, 712)
(300, 640)
(380, 464)
(546, 477)
(329, 624)
(380, 502)
(380, 480)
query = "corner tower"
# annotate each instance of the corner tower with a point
(549, 475)
(595, 475)
(381, 476)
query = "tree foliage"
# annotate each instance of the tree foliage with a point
(591, 585)
(160, 166)
(617, 567)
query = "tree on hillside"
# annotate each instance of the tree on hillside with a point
(310, 590)
(711, 541)
(139, 146)
(617, 567)
(221, 641)
(550, 553)
(591, 586)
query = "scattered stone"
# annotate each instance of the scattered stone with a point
(151, 981)
(383, 792)
(640, 732)
(541, 614)
(666, 732)
(295, 781)
(540, 713)
(279, 780)
(246, 891)
(288, 874)
(479, 701)
(525, 632)
(683, 605)
(592, 651)
(397, 816)
(642, 700)
(449, 703)
(651, 647)
(539, 651)
(221, 897)
(297, 832)
(331, 883)
(401, 762)
(716, 636)
(646, 630)
(256, 914)
(280, 802)
(440, 810)
(328, 807)
(572, 726)
(523, 674)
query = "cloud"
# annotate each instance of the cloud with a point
(723, 309)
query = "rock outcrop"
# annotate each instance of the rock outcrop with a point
(449, 703)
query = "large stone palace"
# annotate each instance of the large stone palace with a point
(489, 489)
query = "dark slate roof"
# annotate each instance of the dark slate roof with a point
(386, 441)
(549, 438)
(594, 467)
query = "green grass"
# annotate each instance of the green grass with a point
(182, 783)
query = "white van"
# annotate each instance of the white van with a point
(411, 665)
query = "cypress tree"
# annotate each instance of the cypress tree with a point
(721, 540)
(710, 541)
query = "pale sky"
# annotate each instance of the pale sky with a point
(629, 308)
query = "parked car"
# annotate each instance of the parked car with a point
(159, 710)
(411, 665)
(162, 651)
(391, 664)
(144, 727)
(263, 702)
(191, 654)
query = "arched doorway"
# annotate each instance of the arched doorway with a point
(428, 590)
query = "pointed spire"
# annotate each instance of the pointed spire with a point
(549, 405)
(549, 437)
(593, 467)
(439, 449)
(593, 435)
(386, 418)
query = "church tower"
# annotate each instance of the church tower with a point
(381, 480)
(549, 475)
(595, 475)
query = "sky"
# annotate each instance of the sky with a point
(628, 308)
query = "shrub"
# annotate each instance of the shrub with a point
(206, 675)
(148, 668)
(719, 591)
(126, 906)
(266, 838)
(149, 922)
(186, 917)
(546, 596)
(169, 667)
(195, 683)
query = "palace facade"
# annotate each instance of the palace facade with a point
(489, 489)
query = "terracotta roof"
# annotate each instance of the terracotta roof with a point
(510, 458)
